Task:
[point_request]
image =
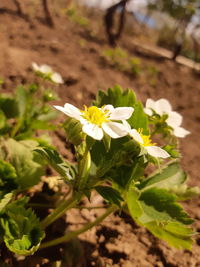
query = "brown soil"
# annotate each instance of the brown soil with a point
(75, 51)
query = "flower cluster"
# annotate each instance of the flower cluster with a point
(163, 109)
(97, 121)
(46, 72)
(111, 121)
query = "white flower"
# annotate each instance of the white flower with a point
(174, 119)
(47, 72)
(95, 121)
(146, 143)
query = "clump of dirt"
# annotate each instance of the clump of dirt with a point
(75, 51)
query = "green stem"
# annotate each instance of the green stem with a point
(60, 210)
(73, 234)
(16, 127)
(90, 208)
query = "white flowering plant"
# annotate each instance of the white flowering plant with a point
(46, 72)
(113, 146)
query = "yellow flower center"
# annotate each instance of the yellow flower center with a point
(95, 115)
(146, 139)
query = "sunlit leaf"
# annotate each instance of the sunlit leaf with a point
(169, 176)
(174, 233)
(22, 158)
(161, 206)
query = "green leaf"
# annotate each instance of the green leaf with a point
(157, 210)
(21, 156)
(109, 194)
(47, 116)
(21, 98)
(119, 98)
(22, 232)
(159, 205)
(133, 203)
(8, 177)
(169, 176)
(2, 119)
(174, 233)
(42, 125)
(8, 106)
(73, 130)
(116, 97)
(66, 170)
(139, 119)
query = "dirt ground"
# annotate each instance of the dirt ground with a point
(75, 51)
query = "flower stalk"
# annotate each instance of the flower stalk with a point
(73, 234)
(60, 210)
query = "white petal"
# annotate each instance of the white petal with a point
(62, 109)
(121, 113)
(150, 104)
(136, 136)
(174, 119)
(108, 109)
(180, 132)
(127, 125)
(70, 111)
(148, 111)
(157, 152)
(45, 69)
(93, 130)
(163, 106)
(35, 66)
(56, 77)
(114, 129)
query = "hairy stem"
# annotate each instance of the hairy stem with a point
(73, 234)
(60, 210)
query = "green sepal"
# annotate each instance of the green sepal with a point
(172, 151)
(73, 130)
(107, 142)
